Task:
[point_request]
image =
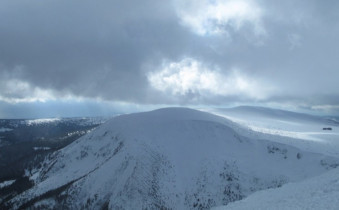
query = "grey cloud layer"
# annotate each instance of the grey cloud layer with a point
(106, 49)
(87, 48)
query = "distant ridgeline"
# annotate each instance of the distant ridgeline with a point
(25, 143)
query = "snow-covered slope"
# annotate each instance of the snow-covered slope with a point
(303, 131)
(269, 113)
(321, 192)
(173, 158)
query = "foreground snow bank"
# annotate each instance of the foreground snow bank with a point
(321, 192)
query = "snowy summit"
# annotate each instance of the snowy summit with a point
(173, 158)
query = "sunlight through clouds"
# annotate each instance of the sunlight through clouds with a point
(237, 52)
(214, 17)
(17, 91)
(190, 76)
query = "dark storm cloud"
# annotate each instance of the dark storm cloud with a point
(89, 48)
(107, 49)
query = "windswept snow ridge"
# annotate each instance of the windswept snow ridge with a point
(173, 158)
(300, 130)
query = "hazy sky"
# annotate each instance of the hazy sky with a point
(85, 57)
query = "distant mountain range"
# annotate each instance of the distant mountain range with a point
(25, 143)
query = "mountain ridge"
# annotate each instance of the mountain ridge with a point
(167, 158)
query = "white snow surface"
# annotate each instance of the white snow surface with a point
(6, 183)
(173, 158)
(81, 121)
(302, 130)
(321, 192)
(42, 121)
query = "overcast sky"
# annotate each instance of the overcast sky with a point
(85, 57)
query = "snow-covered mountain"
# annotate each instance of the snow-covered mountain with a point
(20, 130)
(173, 158)
(296, 129)
(320, 192)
